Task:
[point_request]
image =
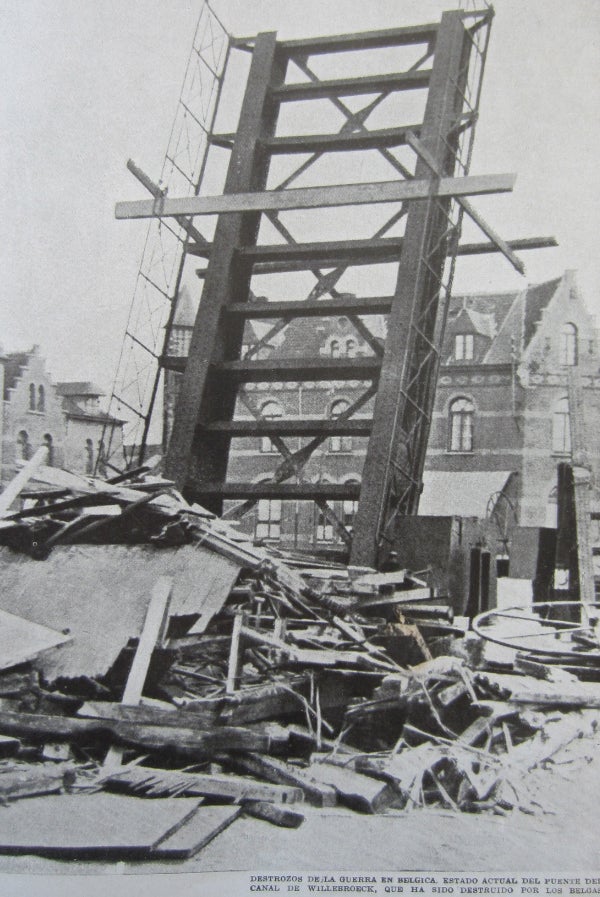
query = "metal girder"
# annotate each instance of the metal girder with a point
(387, 251)
(366, 40)
(283, 427)
(303, 308)
(343, 142)
(305, 491)
(300, 369)
(315, 197)
(396, 453)
(202, 394)
(343, 87)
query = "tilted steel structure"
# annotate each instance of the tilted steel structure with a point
(429, 195)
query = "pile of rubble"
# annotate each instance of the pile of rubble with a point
(250, 682)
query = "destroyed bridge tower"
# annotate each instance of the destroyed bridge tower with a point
(436, 68)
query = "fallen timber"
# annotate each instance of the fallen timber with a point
(284, 680)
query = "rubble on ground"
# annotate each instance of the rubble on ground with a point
(222, 678)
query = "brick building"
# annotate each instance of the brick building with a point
(64, 417)
(500, 423)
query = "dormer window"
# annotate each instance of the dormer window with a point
(463, 347)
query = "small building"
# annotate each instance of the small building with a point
(66, 418)
(87, 427)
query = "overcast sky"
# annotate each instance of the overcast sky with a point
(90, 83)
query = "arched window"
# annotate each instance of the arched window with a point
(269, 411)
(334, 348)
(23, 446)
(461, 425)
(32, 403)
(89, 456)
(41, 402)
(49, 445)
(268, 518)
(561, 428)
(339, 443)
(568, 344)
(351, 347)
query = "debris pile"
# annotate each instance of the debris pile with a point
(222, 678)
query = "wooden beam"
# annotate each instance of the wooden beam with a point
(153, 630)
(342, 87)
(316, 197)
(12, 490)
(501, 245)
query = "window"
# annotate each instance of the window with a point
(324, 527)
(32, 403)
(561, 428)
(339, 443)
(181, 338)
(349, 509)
(268, 519)
(269, 411)
(461, 425)
(48, 445)
(23, 446)
(568, 344)
(41, 402)
(334, 348)
(351, 348)
(89, 456)
(463, 347)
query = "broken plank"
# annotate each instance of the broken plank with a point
(355, 790)
(91, 825)
(224, 787)
(182, 741)
(190, 838)
(153, 630)
(282, 773)
(280, 816)
(12, 490)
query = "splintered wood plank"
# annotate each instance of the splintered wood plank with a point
(354, 789)
(18, 482)
(227, 787)
(153, 631)
(282, 773)
(204, 825)
(91, 825)
(22, 640)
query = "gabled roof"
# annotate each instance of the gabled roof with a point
(79, 388)
(538, 296)
(74, 411)
(14, 366)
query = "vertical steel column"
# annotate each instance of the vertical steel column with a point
(204, 396)
(396, 454)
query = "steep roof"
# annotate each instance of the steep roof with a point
(78, 388)
(74, 411)
(537, 298)
(14, 366)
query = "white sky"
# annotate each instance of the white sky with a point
(90, 83)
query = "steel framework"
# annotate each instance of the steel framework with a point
(398, 377)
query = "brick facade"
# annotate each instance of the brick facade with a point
(500, 402)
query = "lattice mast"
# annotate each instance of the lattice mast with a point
(138, 377)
